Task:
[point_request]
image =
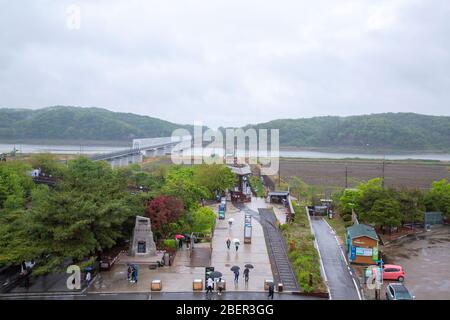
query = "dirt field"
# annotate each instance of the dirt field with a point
(331, 173)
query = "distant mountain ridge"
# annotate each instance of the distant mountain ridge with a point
(64, 122)
(375, 132)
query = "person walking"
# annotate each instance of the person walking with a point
(88, 278)
(209, 285)
(271, 290)
(236, 276)
(219, 287)
(135, 274)
(246, 275)
(228, 243)
(129, 270)
(237, 246)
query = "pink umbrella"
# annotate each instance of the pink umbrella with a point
(179, 236)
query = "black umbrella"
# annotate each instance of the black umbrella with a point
(248, 265)
(215, 274)
(235, 268)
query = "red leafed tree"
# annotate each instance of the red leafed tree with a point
(162, 211)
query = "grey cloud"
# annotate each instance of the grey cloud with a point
(229, 62)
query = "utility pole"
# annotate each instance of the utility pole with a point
(346, 177)
(382, 181)
(279, 178)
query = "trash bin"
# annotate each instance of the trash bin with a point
(280, 287)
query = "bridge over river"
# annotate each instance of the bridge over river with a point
(142, 147)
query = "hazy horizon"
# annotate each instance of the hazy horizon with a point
(228, 63)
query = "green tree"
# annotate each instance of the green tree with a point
(214, 177)
(15, 184)
(88, 212)
(203, 220)
(180, 183)
(385, 212)
(438, 198)
(48, 163)
(299, 188)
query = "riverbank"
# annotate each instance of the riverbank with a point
(71, 146)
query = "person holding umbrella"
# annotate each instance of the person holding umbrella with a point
(230, 222)
(248, 266)
(228, 243)
(236, 243)
(246, 274)
(180, 238)
(235, 269)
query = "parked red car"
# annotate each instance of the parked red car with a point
(393, 272)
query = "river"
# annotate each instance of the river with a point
(96, 149)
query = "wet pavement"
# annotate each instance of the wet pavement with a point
(184, 296)
(340, 281)
(179, 277)
(254, 253)
(426, 260)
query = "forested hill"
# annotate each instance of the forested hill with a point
(75, 123)
(375, 132)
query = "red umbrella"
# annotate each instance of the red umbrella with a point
(179, 236)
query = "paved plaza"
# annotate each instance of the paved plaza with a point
(179, 276)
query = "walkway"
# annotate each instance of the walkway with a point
(340, 281)
(254, 253)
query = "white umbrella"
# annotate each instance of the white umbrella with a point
(236, 240)
(230, 220)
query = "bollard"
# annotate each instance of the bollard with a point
(266, 283)
(156, 285)
(197, 285)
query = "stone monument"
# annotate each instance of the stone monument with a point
(143, 244)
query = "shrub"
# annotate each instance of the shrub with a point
(170, 243)
(203, 220)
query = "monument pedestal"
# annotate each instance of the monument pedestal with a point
(143, 244)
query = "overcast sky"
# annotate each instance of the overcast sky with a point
(228, 62)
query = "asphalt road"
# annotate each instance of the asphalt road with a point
(165, 296)
(340, 281)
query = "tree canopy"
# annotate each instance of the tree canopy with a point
(87, 212)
